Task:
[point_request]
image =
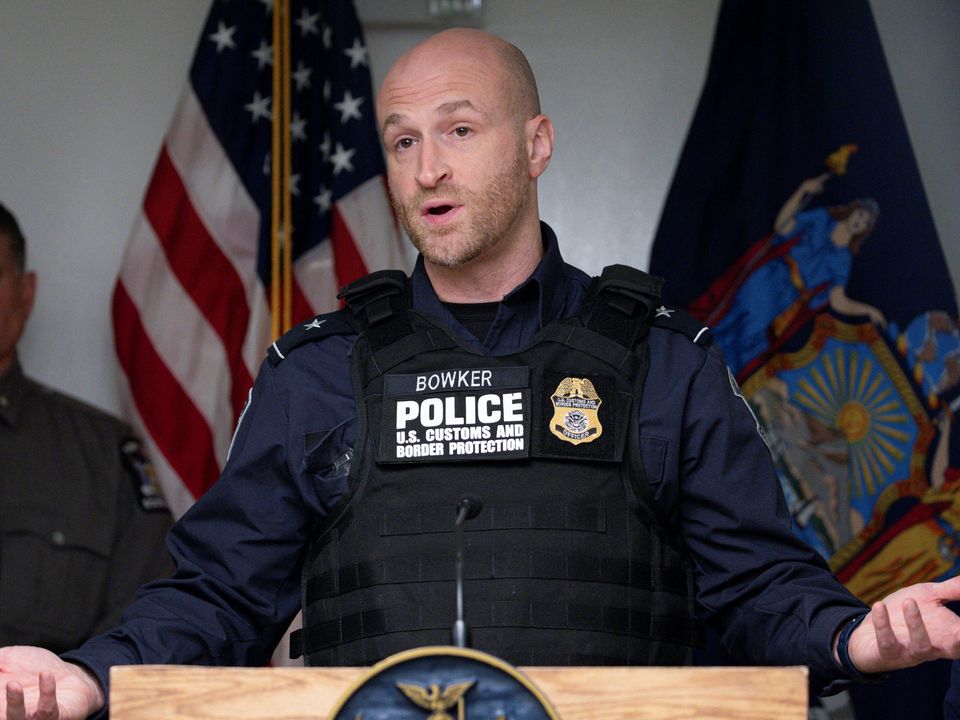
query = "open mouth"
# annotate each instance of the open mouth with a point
(439, 213)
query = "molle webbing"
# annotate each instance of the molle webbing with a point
(541, 564)
(432, 614)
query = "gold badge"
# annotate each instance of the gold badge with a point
(575, 411)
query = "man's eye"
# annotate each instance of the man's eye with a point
(404, 143)
(461, 131)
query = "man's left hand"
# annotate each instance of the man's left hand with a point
(908, 627)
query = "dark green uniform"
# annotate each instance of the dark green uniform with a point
(81, 523)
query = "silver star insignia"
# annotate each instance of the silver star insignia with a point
(314, 324)
(663, 312)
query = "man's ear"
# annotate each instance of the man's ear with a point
(539, 136)
(28, 292)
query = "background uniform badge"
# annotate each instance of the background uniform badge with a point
(144, 478)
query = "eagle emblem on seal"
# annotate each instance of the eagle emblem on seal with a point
(433, 699)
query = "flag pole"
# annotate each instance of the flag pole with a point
(281, 206)
(287, 318)
(276, 179)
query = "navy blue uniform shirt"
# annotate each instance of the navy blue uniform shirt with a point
(240, 548)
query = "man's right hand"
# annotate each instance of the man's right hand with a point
(38, 685)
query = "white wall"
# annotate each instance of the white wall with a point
(86, 90)
(88, 87)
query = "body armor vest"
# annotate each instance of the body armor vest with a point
(567, 563)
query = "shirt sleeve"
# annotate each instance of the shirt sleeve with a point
(773, 596)
(238, 554)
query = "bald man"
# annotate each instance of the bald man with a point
(622, 475)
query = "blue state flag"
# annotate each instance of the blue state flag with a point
(797, 228)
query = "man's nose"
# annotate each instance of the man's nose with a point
(432, 168)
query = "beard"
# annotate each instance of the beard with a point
(493, 211)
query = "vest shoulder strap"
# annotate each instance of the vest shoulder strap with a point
(380, 306)
(678, 320)
(620, 304)
(335, 323)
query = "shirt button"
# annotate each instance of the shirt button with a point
(58, 537)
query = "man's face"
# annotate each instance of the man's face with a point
(16, 301)
(456, 157)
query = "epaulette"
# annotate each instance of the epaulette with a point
(335, 323)
(673, 318)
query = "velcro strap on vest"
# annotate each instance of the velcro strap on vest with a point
(385, 359)
(601, 347)
(621, 302)
(380, 302)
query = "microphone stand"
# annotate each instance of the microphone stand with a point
(468, 507)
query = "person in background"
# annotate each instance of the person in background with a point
(82, 524)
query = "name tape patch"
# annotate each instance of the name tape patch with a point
(456, 415)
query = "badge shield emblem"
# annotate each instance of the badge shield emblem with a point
(576, 411)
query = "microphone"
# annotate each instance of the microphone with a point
(468, 507)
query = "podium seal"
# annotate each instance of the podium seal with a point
(443, 683)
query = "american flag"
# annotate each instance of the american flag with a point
(191, 315)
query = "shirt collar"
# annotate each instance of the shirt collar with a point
(539, 299)
(11, 394)
(550, 279)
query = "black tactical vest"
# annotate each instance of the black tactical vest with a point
(567, 563)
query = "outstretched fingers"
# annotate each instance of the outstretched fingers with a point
(16, 710)
(908, 627)
(47, 708)
(948, 590)
(920, 644)
(887, 644)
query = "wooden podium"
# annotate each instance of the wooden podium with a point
(167, 692)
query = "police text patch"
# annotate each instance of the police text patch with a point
(456, 415)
